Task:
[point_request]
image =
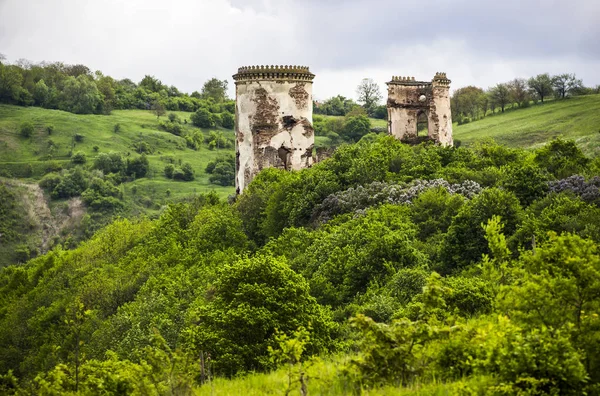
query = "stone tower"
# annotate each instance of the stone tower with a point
(409, 99)
(273, 109)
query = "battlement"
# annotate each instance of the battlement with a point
(273, 72)
(441, 79)
(408, 81)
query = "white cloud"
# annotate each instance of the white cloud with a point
(186, 42)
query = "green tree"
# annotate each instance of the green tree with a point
(254, 300)
(465, 242)
(41, 94)
(158, 108)
(565, 84)
(228, 120)
(80, 95)
(138, 167)
(501, 95)
(169, 169)
(188, 172)
(215, 89)
(79, 158)
(202, 118)
(356, 127)
(10, 83)
(368, 94)
(541, 85)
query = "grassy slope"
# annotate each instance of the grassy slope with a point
(576, 118)
(324, 377)
(16, 151)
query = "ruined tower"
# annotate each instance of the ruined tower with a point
(273, 109)
(410, 100)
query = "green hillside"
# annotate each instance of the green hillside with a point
(576, 118)
(17, 152)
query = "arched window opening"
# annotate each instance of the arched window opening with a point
(422, 124)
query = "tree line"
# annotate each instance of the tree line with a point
(471, 103)
(75, 88)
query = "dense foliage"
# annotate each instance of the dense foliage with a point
(75, 88)
(420, 263)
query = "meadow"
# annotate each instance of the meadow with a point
(16, 152)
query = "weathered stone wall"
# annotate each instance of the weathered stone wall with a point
(273, 120)
(407, 98)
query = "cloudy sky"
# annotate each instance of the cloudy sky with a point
(185, 42)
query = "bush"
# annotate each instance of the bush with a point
(222, 171)
(228, 120)
(188, 172)
(79, 158)
(169, 170)
(202, 118)
(26, 129)
(137, 167)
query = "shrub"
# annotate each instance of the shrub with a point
(79, 158)
(202, 118)
(169, 170)
(228, 120)
(26, 129)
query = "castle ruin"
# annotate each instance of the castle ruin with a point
(273, 113)
(411, 103)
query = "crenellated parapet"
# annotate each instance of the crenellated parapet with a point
(273, 72)
(441, 79)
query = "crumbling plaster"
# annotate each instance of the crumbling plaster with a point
(273, 120)
(407, 98)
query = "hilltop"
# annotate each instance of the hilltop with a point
(576, 118)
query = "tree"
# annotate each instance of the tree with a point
(215, 89)
(467, 101)
(41, 93)
(228, 120)
(565, 84)
(518, 91)
(202, 118)
(541, 85)
(368, 94)
(151, 83)
(158, 108)
(10, 83)
(80, 95)
(188, 172)
(254, 300)
(501, 95)
(356, 127)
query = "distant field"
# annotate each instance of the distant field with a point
(576, 118)
(98, 130)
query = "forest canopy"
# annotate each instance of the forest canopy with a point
(419, 263)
